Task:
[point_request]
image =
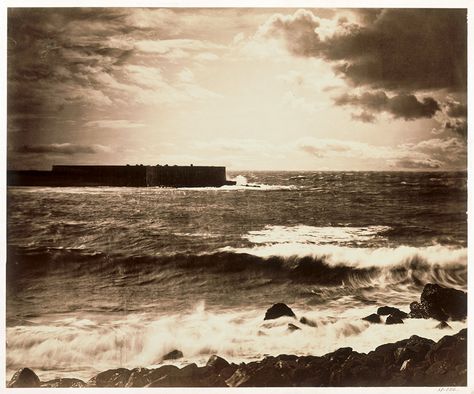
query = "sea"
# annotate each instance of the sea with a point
(107, 277)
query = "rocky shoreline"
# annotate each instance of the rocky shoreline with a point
(415, 361)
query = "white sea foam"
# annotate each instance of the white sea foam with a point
(92, 344)
(334, 255)
(335, 246)
(315, 235)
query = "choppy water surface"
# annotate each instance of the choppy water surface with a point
(105, 277)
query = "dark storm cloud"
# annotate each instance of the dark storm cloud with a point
(408, 107)
(458, 126)
(396, 49)
(456, 110)
(364, 116)
(62, 149)
(52, 53)
(405, 106)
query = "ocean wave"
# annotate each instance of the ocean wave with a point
(327, 265)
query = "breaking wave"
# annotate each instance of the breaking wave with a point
(91, 343)
(314, 264)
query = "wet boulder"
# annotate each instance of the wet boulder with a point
(443, 325)
(217, 363)
(138, 378)
(339, 355)
(373, 318)
(173, 355)
(111, 378)
(445, 363)
(390, 310)
(419, 311)
(393, 319)
(440, 303)
(450, 348)
(24, 377)
(64, 383)
(158, 373)
(270, 372)
(190, 376)
(278, 310)
(354, 371)
(450, 301)
(308, 322)
(415, 349)
(293, 327)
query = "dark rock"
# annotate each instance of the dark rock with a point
(383, 359)
(352, 372)
(158, 373)
(410, 362)
(385, 310)
(391, 319)
(139, 377)
(189, 376)
(450, 348)
(173, 355)
(174, 377)
(24, 377)
(415, 349)
(238, 378)
(407, 365)
(190, 370)
(418, 311)
(443, 325)
(217, 363)
(452, 302)
(227, 372)
(278, 310)
(260, 375)
(308, 322)
(174, 381)
(292, 327)
(440, 303)
(64, 383)
(339, 355)
(373, 318)
(390, 310)
(111, 378)
(313, 371)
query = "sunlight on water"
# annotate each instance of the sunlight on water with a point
(103, 277)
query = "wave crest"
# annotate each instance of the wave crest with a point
(322, 265)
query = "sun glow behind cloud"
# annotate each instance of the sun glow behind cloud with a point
(246, 88)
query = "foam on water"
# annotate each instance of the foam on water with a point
(361, 257)
(315, 235)
(95, 343)
(103, 277)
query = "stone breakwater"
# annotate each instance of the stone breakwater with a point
(415, 361)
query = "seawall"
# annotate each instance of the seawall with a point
(110, 175)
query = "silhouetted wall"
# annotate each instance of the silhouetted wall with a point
(137, 175)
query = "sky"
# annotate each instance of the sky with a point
(250, 89)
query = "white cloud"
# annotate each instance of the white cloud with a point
(165, 46)
(429, 154)
(338, 148)
(186, 75)
(244, 147)
(63, 149)
(114, 124)
(206, 56)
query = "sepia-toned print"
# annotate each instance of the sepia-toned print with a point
(236, 197)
